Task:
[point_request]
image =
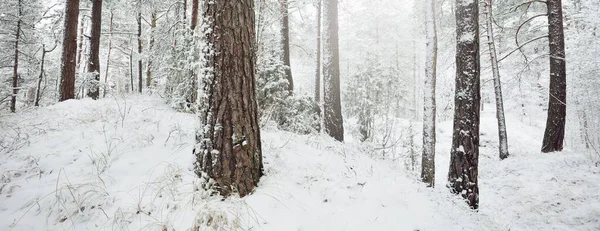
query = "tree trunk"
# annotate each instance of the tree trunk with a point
(139, 41)
(110, 30)
(80, 41)
(429, 109)
(93, 66)
(503, 138)
(318, 61)
(228, 146)
(38, 93)
(557, 107)
(194, 72)
(334, 123)
(194, 14)
(285, 41)
(464, 156)
(15, 79)
(150, 50)
(67, 82)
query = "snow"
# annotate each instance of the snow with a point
(125, 163)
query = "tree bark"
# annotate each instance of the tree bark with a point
(318, 61)
(93, 66)
(502, 136)
(15, 78)
(228, 146)
(285, 41)
(334, 123)
(67, 82)
(110, 30)
(150, 50)
(194, 15)
(139, 41)
(555, 124)
(429, 109)
(464, 156)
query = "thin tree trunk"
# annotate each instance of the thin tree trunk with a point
(503, 138)
(38, 93)
(150, 50)
(110, 30)
(194, 76)
(93, 66)
(80, 42)
(334, 123)
(139, 41)
(229, 146)
(15, 79)
(131, 67)
(318, 61)
(285, 42)
(67, 82)
(464, 156)
(194, 15)
(429, 109)
(557, 107)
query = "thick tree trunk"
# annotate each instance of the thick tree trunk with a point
(151, 50)
(334, 123)
(67, 81)
(93, 66)
(285, 41)
(110, 30)
(429, 109)
(464, 156)
(139, 41)
(503, 138)
(15, 78)
(557, 107)
(228, 143)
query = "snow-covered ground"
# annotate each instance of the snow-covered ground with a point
(125, 163)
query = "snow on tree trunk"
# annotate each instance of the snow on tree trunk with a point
(464, 156)
(93, 66)
(139, 42)
(318, 60)
(557, 107)
(151, 50)
(228, 149)
(285, 42)
(503, 138)
(334, 123)
(15, 78)
(429, 109)
(67, 73)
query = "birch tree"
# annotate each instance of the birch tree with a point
(464, 155)
(429, 109)
(503, 138)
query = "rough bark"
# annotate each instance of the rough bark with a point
(555, 124)
(67, 81)
(228, 149)
(502, 136)
(464, 156)
(150, 50)
(334, 123)
(139, 58)
(15, 78)
(429, 109)
(285, 42)
(93, 66)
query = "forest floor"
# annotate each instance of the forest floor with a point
(125, 163)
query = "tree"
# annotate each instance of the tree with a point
(139, 42)
(285, 42)
(334, 123)
(228, 141)
(464, 156)
(503, 138)
(429, 109)
(318, 59)
(557, 103)
(15, 79)
(93, 66)
(67, 82)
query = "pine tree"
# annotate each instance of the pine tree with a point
(67, 82)
(554, 134)
(334, 123)
(464, 156)
(285, 42)
(93, 66)
(228, 147)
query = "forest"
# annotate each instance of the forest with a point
(299, 115)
